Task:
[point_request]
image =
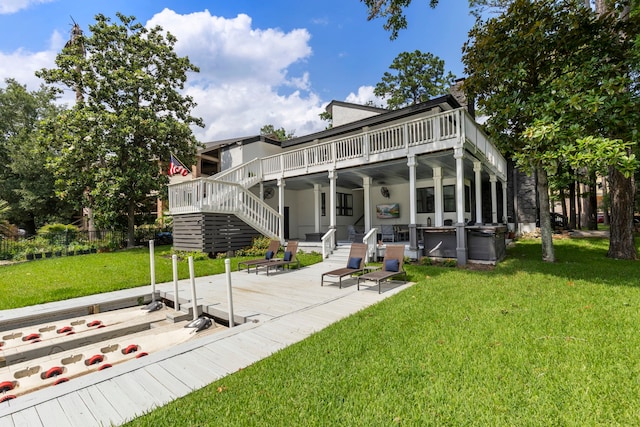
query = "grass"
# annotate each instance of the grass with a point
(56, 279)
(527, 343)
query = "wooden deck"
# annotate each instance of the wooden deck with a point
(281, 309)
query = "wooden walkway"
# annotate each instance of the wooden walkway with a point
(281, 309)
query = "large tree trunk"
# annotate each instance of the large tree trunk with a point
(621, 193)
(572, 205)
(592, 203)
(131, 224)
(546, 230)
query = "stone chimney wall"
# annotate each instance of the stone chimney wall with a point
(460, 96)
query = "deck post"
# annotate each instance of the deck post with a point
(413, 241)
(366, 185)
(437, 189)
(227, 269)
(281, 186)
(152, 265)
(459, 156)
(461, 244)
(333, 176)
(477, 169)
(317, 207)
(494, 199)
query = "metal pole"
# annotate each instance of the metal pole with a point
(174, 262)
(152, 262)
(227, 269)
(194, 301)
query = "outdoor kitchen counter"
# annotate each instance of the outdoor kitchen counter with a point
(484, 242)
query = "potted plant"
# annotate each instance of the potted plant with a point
(29, 254)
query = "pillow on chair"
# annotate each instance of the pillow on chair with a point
(392, 265)
(269, 255)
(354, 263)
(287, 256)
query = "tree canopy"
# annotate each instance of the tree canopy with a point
(113, 146)
(553, 78)
(25, 183)
(280, 134)
(418, 77)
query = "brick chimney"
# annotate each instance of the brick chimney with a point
(458, 93)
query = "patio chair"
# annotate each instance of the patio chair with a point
(387, 233)
(357, 257)
(274, 247)
(288, 260)
(391, 267)
(354, 235)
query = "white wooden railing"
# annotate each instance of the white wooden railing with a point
(372, 244)
(206, 195)
(221, 192)
(328, 243)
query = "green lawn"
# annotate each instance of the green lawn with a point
(527, 343)
(56, 279)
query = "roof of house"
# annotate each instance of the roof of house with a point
(333, 103)
(243, 140)
(446, 102)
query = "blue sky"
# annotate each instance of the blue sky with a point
(262, 62)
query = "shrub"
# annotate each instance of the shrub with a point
(258, 247)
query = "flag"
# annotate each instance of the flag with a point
(177, 168)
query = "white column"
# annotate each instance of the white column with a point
(333, 176)
(413, 237)
(317, 206)
(459, 156)
(477, 169)
(504, 201)
(494, 199)
(281, 186)
(437, 190)
(366, 185)
(412, 188)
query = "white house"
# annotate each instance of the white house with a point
(426, 172)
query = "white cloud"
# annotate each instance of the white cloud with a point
(244, 82)
(8, 7)
(243, 74)
(364, 96)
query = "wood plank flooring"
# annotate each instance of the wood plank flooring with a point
(282, 309)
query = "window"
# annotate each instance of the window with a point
(323, 204)
(426, 200)
(344, 204)
(449, 198)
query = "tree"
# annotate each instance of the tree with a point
(420, 76)
(551, 76)
(114, 144)
(280, 134)
(392, 10)
(620, 107)
(25, 183)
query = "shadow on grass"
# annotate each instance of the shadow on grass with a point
(576, 259)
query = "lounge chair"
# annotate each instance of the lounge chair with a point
(274, 247)
(288, 260)
(391, 266)
(357, 256)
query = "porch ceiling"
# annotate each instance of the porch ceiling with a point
(383, 173)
